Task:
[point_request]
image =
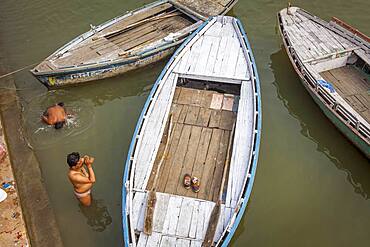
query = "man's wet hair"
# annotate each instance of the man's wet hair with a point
(58, 125)
(73, 158)
(61, 104)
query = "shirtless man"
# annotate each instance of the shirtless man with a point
(81, 179)
(55, 115)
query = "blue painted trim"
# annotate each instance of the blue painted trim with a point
(249, 184)
(139, 124)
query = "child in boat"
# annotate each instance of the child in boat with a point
(55, 115)
(81, 179)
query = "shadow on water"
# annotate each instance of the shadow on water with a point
(97, 215)
(317, 127)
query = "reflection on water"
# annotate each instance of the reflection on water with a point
(328, 139)
(80, 116)
(97, 215)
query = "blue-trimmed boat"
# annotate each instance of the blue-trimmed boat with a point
(202, 119)
(127, 42)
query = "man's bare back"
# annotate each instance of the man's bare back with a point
(55, 115)
(81, 179)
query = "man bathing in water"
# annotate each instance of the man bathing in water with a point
(55, 115)
(81, 179)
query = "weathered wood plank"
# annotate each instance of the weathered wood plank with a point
(192, 115)
(143, 238)
(194, 219)
(227, 120)
(201, 154)
(179, 157)
(215, 118)
(154, 240)
(203, 117)
(182, 242)
(209, 166)
(216, 102)
(167, 166)
(160, 211)
(183, 227)
(189, 158)
(219, 167)
(172, 217)
(168, 241)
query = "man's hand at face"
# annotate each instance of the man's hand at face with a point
(88, 160)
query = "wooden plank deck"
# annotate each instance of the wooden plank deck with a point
(353, 86)
(176, 218)
(311, 40)
(198, 144)
(110, 43)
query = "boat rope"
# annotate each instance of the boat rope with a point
(18, 70)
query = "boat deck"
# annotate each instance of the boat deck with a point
(123, 38)
(202, 122)
(353, 85)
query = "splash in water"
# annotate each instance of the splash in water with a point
(79, 118)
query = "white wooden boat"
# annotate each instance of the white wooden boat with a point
(202, 117)
(127, 42)
(332, 60)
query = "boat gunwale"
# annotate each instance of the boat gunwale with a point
(253, 159)
(343, 109)
(251, 166)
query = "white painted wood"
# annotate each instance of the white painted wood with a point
(154, 240)
(182, 242)
(183, 226)
(220, 224)
(200, 220)
(242, 144)
(172, 217)
(195, 243)
(137, 204)
(142, 240)
(222, 51)
(160, 211)
(168, 241)
(194, 220)
(204, 53)
(207, 214)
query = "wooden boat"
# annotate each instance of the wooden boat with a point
(332, 61)
(202, 117)
(127, 42)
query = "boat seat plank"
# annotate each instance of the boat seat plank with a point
(143, 238)
(168, 241)
(153, 240)
(183, 227)
(172, 217)
(182, 242)
(160, 211)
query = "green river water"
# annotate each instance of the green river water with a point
(312, 186)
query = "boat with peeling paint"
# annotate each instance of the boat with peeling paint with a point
(332, 60)
(203, 118)
(127, 42)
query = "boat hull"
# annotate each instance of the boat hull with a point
(68, 78)
(346, 129)
(250, 168)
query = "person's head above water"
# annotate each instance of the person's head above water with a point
(58, 125)
(73, 159)
(61, 104)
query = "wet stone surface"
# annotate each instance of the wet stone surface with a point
(12, 226)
